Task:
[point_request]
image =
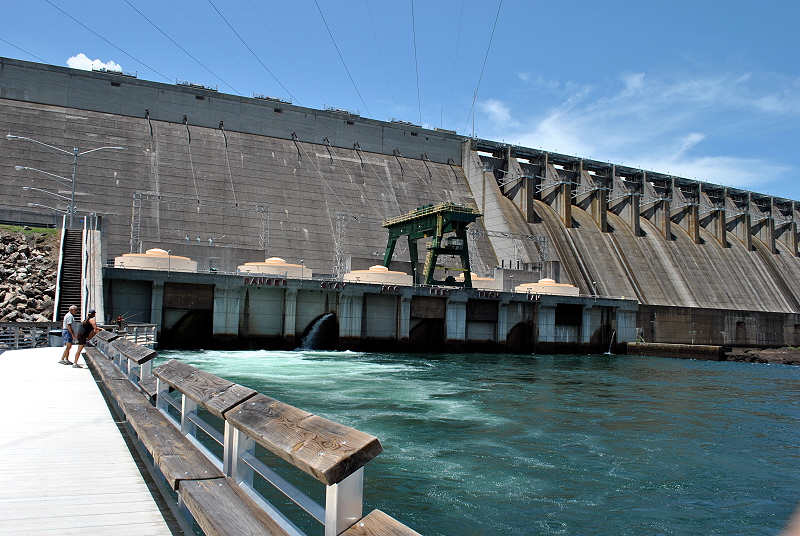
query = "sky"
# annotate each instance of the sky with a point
(702, 89)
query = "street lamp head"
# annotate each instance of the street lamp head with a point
(19, 168)
(11, 137)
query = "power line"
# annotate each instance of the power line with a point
(107, 41)
(233, 57)
(180, 47)
(280, 44)
(378, 46)
(253, 53)
(455, 63)
(341, 58)
(416, 63)
(22, 50)
(475, 95)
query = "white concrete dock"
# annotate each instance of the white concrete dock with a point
(64, 467)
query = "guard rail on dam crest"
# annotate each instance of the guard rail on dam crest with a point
(207, 439)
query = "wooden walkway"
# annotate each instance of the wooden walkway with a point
(64, 466)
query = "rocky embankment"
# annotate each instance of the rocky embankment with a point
(28, 265)
(778, 356)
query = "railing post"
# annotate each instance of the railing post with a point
(146, 370)
(235, 444)
(162, 390)
(188, 408)
(343, 503)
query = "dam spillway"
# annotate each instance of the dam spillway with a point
(226, 180)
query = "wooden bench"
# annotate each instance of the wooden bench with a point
(218, 505)
(222, 508)
(220, 501)
(176, 457)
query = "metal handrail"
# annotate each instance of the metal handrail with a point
(432, 209)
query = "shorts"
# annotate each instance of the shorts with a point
(82, 340)
(66, 337)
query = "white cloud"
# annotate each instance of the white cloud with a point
(664, 125)
(498, 113)
(82, 62)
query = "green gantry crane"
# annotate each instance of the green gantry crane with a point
(434, 221)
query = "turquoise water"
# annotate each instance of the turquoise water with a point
(497, 444)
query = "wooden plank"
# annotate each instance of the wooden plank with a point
(326, 450)
(221, 508)
(106, 336)
(377, 523)
(215, 394)
(174, 454)
(134, 352)
(102, 365)
(148, 385)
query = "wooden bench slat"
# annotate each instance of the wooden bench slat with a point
(149, 385)
(174, 454)
(222, 508)
(134, 352)
(377, 523)
(215, 394)
(106, 336)
(326, 450)
(104, 367)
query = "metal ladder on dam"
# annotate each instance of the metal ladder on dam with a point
(71, 274)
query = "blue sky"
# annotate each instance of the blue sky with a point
(703, 89)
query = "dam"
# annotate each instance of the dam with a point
(225, 180)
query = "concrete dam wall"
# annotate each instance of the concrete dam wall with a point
(226, 180)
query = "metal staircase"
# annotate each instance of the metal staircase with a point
(71, 272)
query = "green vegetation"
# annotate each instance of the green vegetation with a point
(30, 230)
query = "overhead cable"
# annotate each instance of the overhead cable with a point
(475, 95)
(211, 38)
(378, 46)
(342, 58)
(107, 41)
(416, 63)
(280, 44)
(24, 51)
(180, 47)
(253, 53)
(455, 63)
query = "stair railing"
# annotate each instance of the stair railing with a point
(56, 299)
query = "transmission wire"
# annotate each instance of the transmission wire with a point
(183, 49)
(234, 58)
(253, 53)
(280, 44)
(107, 41)
(341, 58)
(455, 64)
(24, 51)
(475, 95)
(416, 63)
(378, 46)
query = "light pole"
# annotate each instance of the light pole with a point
(76, 156)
